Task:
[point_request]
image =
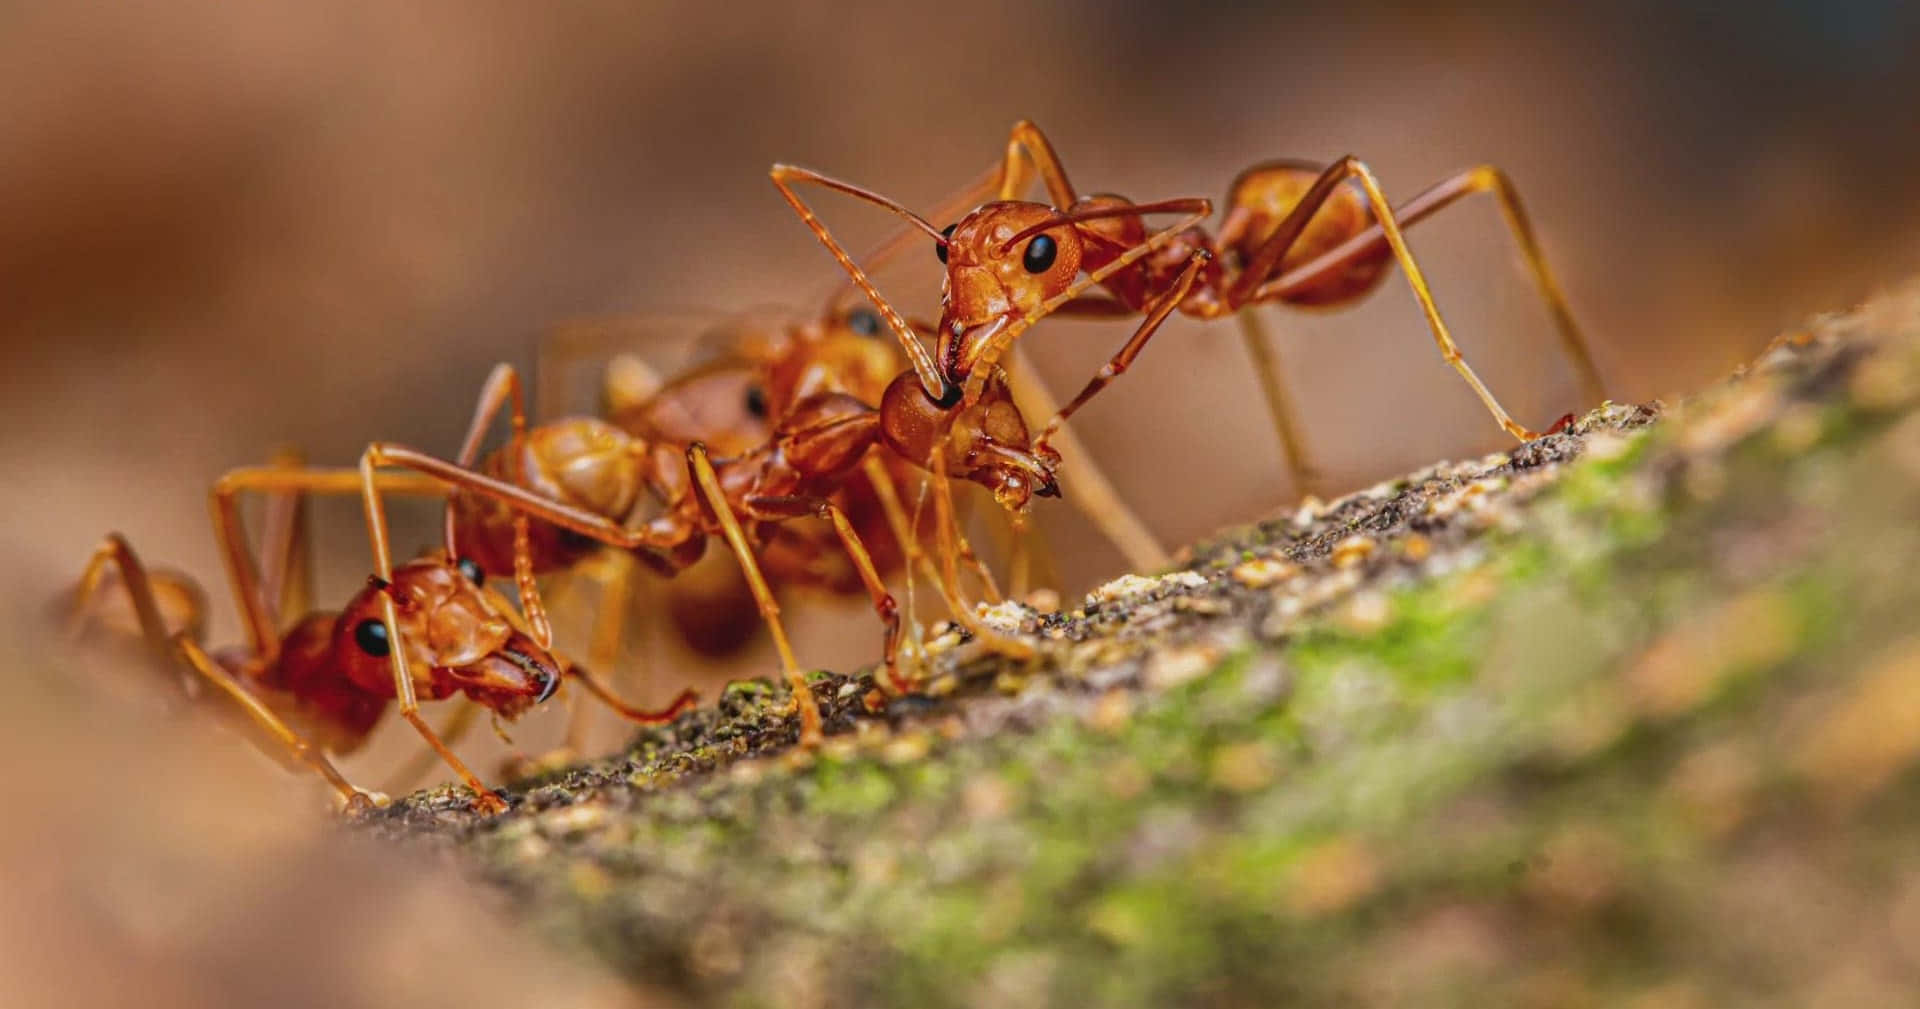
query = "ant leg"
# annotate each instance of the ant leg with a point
(965, 549)
(267, 720)
(257, 613)
(1268, 258)
(709, 483)
(501, 389)
(484, 799)
(950, 539)
(784, 176)
(117, 552)
(455, 728)
(681, 704)
(904, 533)
(612, 573)
(288, 577)
(1117, 366)
(1280, 409)
(1040, 153)
(776, 508)
(1093, 495)
(1483, 179)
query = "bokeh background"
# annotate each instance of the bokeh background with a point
(233, 226)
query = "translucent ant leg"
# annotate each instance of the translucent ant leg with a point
(257, 613)
(1092, 494)
(1482, 179)
(117, 552)
(503, 389)
(903, 529)
(1268, 258)
(455, 728)
(288, 576)
(709, 483)
(266, 719)
(1115, 367)
(1280, 408)
(883, 602)
(1040, 153)
(612, 573)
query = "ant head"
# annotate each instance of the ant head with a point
(986, 442)
(850, 350)
(725, 405)
(1003, 259)
(455, 635)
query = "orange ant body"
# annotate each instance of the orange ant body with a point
(324, 684)
(1294, 233)
(588, 478)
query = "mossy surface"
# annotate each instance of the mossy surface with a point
(1628, 715)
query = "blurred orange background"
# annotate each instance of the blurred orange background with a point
(233, 226)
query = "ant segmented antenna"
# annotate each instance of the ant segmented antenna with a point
(923, 365)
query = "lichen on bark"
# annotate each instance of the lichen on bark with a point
(1628, 714)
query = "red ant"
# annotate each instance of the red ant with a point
(587, 477)
(1296, 233)
(426, 629)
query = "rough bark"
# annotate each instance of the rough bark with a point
(1627, 715)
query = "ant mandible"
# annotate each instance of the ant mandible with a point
(1295, 233)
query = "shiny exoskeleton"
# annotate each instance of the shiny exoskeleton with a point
(1295, 233)
(554, 491)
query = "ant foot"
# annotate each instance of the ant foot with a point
(362, 802)
(488, 803)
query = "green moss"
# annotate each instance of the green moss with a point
(1559, 763)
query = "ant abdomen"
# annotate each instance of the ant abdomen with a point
(1262, 196)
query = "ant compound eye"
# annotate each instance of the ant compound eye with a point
(756, 401)
(1040, 254)
(864, 322)
(472, 570)
(371, 636)
(940, 248)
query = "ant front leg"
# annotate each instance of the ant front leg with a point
(777, 508)
(1123, 359)
(1482, 179)
(485, 799)
(704, 477)
(1267, 259)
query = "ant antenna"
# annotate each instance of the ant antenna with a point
(931, 381)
